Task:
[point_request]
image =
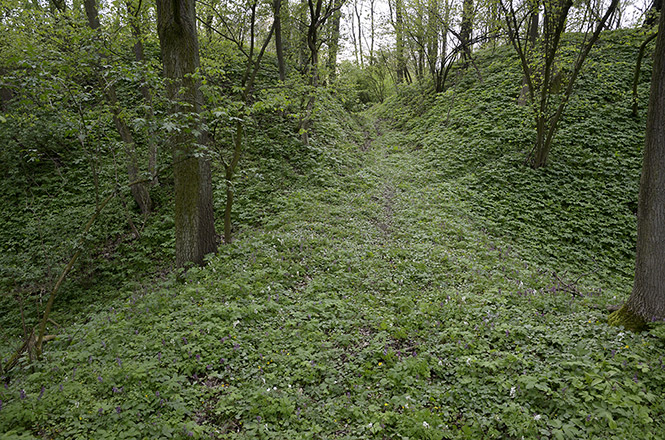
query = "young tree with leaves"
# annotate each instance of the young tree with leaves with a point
(539, 65)
(647, 300)
(140, 191)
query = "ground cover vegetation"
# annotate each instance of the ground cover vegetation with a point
(391, 265)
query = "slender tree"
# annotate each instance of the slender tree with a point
(140, 192)
(279, 44)
(333, 45)
(139, 55)
(194, 221)
(359, 13)
(319, 13)
(541, 80)
(402, 73)
(647, 300)
(652, 14)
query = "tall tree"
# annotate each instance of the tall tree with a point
(319, 13)
(402, 73)
(466, 29)
(359, 13)
(279, 44)
(194, 220)
(647, 300)
(432, 37)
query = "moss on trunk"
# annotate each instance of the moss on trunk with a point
(628, 319)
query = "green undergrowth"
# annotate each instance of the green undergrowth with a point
(579, 212)
(372, 295)
(373, 306)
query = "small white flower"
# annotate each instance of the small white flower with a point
(536, 417)
(425, 424)
(370, 425)
(468, 361)
(513, 392)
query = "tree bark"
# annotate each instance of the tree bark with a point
(399, 44)
(647, 300)
(279, 47)
(466, 29)
(432, 37)
(194, 220)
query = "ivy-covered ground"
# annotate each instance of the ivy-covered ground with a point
(380, 297)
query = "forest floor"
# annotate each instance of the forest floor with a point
(370, 305)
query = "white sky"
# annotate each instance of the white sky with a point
(633, 14)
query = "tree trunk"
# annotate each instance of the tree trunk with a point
(372, 32)
(333, 47)
(399, 44)
(360, 32)
(194, 220)
(652, 15)
(301, 36)
(532, 36)
(647, 300)
(279, 47)
(432, 37)
(466, 29)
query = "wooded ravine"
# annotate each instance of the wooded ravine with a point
(274, 220)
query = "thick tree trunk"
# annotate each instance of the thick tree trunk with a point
(194, 221)
(647, 300)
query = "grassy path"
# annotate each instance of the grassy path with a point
(370, 306)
